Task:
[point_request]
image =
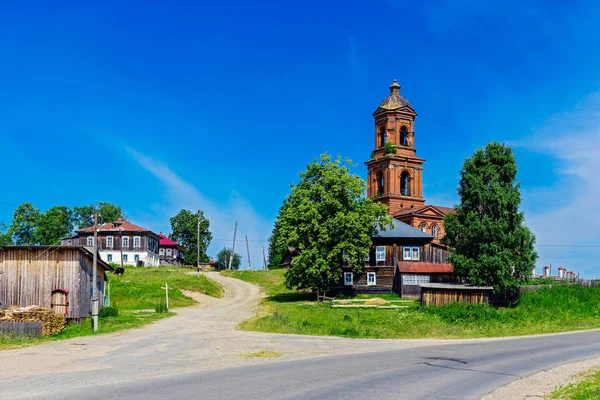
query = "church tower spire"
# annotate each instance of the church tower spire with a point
(395, 173)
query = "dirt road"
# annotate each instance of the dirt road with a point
(198, 338)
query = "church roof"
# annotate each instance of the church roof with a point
(440, 209)
(394, 100)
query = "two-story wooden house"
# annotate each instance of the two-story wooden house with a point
(120, 241)
(169, 251)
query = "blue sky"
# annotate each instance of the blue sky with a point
(158, 106)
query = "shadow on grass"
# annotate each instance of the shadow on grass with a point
(292, 297)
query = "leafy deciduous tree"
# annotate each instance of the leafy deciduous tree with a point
(184, 227)
(23, 226)
(107, 212)
(222, 261)
(276, 246)
(328, 219)
(5, 237)
(489, 242)
(55, 223)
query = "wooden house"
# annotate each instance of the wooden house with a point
(55, 277)
(169, 251)
(400, 256)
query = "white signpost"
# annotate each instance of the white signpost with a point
(166, 289)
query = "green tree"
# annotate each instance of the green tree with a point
(107, 212)
(5, 237)
(222, 261)
(184, 228)
(327, 218)
(55, 223)
(23, 226)
(276, 243)
(489, 242)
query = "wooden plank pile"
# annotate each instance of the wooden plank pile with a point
(52, 323)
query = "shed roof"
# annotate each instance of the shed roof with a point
(86, 250)
(409, 267)
(454, 286)
(402, 230)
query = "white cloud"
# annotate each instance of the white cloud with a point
(573, 140)
(181, 194)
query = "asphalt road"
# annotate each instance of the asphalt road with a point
(456, 371)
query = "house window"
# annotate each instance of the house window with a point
(136, 258)
(125, 242)
(380, 253)
(404, 136)
(124, 257)
(168, 252)
(371, 280)
(109, 258)
(423, 227)
(162, 252)
(415, 279)
(109, 241)
(434, 230)
(411, 253)
(348, 278)
(90, 241)
(404, 180)
(136, 242)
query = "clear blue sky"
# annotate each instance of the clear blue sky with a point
(218, 105)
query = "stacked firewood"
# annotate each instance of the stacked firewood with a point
(52, 323)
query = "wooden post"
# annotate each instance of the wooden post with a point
(166, 289)
(233, 247)
(94, 274)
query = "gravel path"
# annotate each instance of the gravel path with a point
(198, 338)
(537, 386)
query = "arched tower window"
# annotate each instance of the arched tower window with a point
(404, 183)
(434, 230)
(404, 136)
(380, 183)
(382, 136)
(423, 227)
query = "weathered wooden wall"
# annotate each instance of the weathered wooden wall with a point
(30, 275)
(434, 254)
(440, 296)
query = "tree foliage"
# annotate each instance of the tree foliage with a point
(54, 224)
(276, 245)
(489, 242)
(5, 236)
(23, 226)
(222, 261)
(328, 219)
(184, 228)
(107, 212)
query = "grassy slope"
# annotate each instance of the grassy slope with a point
(586, 389)
(138, 289)
(547, 310)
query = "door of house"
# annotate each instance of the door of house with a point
(60, 301)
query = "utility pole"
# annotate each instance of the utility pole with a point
(264, 260)
(248, 251)
(94, 273)
(198, 244)
(121, 244)
(233, 247)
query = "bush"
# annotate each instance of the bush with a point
(111, 311)
(160, 307)
(389, 148)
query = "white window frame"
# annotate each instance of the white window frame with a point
(411, 256)
(423, 227)
(139, 242)
(125, 258)
(434, 230)
(378, 249)
(346, 281)
(109, 258)
(109, 242)
(169, 252)
(123, 240)
(136, 257)
(369, 275)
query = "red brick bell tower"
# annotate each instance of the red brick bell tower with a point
(394, 170)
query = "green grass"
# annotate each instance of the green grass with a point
(549, 310)
(138, 289)
(263, 354)
(586, 387)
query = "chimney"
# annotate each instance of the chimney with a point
(546, 271)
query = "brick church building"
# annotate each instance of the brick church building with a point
(395, 172)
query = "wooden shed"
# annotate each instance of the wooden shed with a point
(56, 277)
(437, 294)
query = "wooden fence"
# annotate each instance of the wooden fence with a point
(440, 294)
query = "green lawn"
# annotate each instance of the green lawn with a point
(138, 289)
(557, 309)
(586, 388)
